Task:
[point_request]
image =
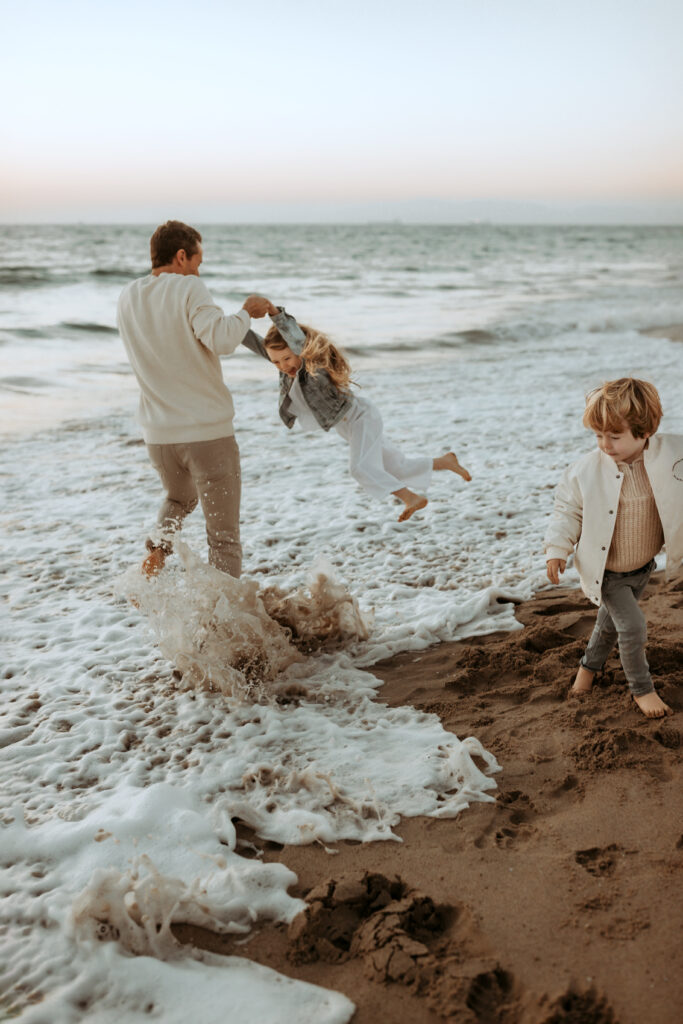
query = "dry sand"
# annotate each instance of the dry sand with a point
(558, 904)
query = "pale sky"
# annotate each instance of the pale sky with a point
(115, 110)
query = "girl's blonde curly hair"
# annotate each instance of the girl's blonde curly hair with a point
(318, 354)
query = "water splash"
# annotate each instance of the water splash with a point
(228, 635)
(320, 614)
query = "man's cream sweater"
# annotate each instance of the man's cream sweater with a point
(174, 333)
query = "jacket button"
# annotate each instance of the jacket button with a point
(611, 511)
(603, 548)
(598, 582)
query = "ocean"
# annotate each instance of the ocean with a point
(389, 294)
(476, 338)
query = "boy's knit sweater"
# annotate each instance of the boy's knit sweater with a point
(638, 535)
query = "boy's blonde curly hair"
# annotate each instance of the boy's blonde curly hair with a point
(629, 401)
(318, 353)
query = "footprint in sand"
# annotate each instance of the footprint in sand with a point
(569, 784)
(489, 995)
(599, 861)
(668, 737)
(520, 811)
(585, 1007)
(512, 821)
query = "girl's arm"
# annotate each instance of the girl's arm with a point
(288, 328)
(254, 343)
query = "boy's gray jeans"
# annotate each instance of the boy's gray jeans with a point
(206, 471)
(619, 616)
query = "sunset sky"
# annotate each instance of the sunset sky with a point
(123, 110)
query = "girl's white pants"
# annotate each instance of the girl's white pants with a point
(378, 466)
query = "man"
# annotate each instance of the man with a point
(174, 334)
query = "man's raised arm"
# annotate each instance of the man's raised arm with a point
(218, 332)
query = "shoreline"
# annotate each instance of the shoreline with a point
(552, 904)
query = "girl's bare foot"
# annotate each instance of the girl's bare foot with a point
(412, 506)
(450, 461)
(652, 705)
(583, 682)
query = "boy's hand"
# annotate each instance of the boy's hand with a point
(258, 306)
(555, 566)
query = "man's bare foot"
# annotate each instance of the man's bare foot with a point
(412, 506)
(652, 705)
(583, 682)
(450, 461)
(154, 562)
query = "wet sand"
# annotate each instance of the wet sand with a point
(557, 904)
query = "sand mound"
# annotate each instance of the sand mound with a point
(369, 916)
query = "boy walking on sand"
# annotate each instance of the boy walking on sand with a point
(614, 509)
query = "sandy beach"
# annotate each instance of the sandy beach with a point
(287, 733)
(555, 905)
(551, 896)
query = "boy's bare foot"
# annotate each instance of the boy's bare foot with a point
(583, 682)
(450, 461)
(154, 562)
(652, 705)
(412, 506)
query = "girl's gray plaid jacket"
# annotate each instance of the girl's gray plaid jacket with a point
(327, 403)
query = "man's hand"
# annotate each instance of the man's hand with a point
(554, 566)
(257, 306)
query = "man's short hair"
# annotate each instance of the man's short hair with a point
(625, 401)
(170, 237)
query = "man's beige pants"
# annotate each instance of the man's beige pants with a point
(206, 471)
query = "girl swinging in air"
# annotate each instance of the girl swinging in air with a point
(315, 381)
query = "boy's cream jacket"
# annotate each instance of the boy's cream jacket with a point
(586, 503)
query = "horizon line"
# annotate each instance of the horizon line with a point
(380, 222)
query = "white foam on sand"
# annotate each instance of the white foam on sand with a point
(106, 952)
